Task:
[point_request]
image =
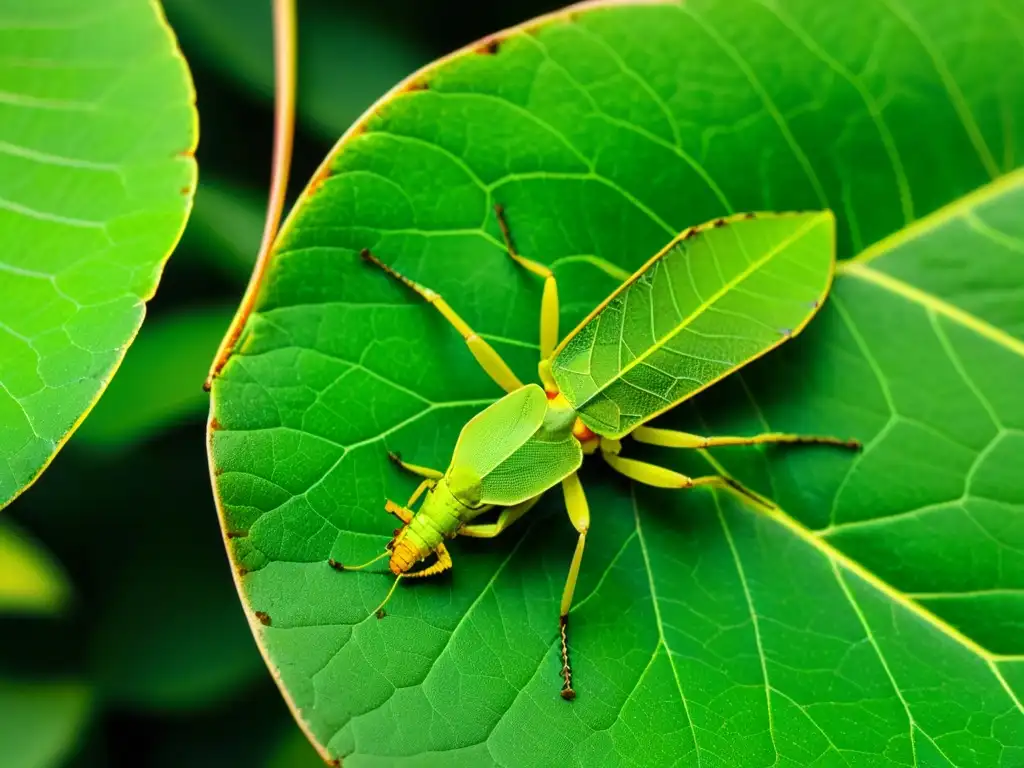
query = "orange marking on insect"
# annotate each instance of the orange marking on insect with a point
(582, 432)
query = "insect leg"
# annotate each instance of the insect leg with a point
(415, 469)
(549, 300)
(669, 438)
(579, 515)
(660, 477)
(484, 353)
(508, 516)
(444, 563)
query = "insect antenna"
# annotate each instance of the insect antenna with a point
(379, 610)
(381, 556)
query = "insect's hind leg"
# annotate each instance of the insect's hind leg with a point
(579, 515)
(669, 438)
(660, 477)
(484, 353)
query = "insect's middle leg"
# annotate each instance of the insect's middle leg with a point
(484, 353)
(670, 438)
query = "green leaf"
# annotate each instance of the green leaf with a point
(160, 382)
(345, 60)
(874, 618)
(97, 130)
(31, 580)
(40, 723)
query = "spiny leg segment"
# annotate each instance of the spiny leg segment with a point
(660, 477)
(579, 515)
(669, 438)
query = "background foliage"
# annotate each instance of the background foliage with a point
(132, 600)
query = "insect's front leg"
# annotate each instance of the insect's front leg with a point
(492, 363)
(549, 300)
(414, 469)
(508, 516)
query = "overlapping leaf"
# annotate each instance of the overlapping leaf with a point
(97, 130)
(874, 618)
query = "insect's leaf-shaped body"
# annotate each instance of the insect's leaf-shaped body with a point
(717, 297)
(516, 448)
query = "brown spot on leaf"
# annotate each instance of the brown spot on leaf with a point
(214, 424)
(335, 565)
(489, 47)
(750, 215)
(381, 613)
(263, 617)
(186, 190)
(691, 232)
(242, 571)
(417, 85)
(237, 534)
(322, 174)
(719, 223)
(188, 153)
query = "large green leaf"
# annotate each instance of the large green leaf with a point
(874, 618)
(97, 130)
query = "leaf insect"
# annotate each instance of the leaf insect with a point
(718, 296)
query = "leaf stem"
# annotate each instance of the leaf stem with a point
(284, 132)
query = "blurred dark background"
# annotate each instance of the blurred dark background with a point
(142, 656)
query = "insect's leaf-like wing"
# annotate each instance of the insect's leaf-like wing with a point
(717, 297)
(499, 430)
(540, 463)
